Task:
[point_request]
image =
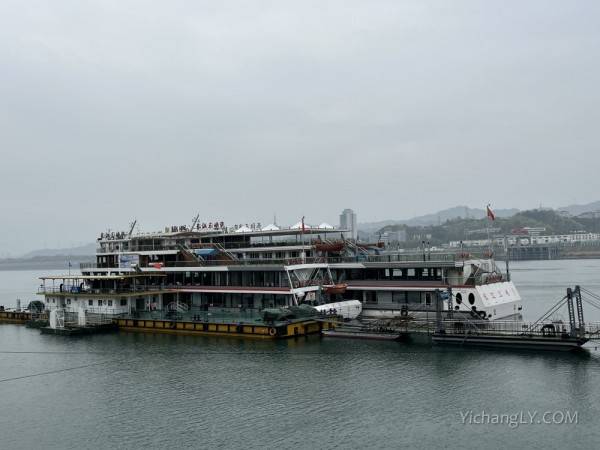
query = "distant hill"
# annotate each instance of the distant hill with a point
(440, 217)
(576, 210)
(461, 228)
(83, 250)
(370, 227)
(42, 263)
(51, 259)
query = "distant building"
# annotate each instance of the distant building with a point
(573, 238)
(393, 237)
(589, 215)
(348, 222)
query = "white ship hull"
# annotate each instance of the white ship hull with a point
(498, 301)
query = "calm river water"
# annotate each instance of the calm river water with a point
(157, 391)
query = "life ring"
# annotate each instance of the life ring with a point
(404, 312)
(272, 332)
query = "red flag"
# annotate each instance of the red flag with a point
(490, 213)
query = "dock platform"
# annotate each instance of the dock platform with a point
(509, 334)
(20, 317)
(360, 330)
(254, 329)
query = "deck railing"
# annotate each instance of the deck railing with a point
(76, 290)
(469, 327)
(438, 258)
(79, 290)
(137, 248)
(196, 314)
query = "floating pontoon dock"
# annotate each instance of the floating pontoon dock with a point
(543, 334)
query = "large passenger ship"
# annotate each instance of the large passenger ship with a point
(246, 269)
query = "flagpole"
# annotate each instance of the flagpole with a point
(506, 257)
(489, 238)
(303, 253)
(489, 217)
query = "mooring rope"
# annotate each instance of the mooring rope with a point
(53, 371)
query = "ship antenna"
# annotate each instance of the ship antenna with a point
(132, 226)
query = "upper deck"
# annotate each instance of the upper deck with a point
(231, 238)
(273, 248)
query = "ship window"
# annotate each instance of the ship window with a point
(398, 297)
(110, 303)
(425, 272)
(459, 298)
(411, 272)
(471, 298)
(397, 273)
(413, 297)
(428, 298)
(123, 302)
(99, 302)
(68, 301)
(372, 274)
(91, 302)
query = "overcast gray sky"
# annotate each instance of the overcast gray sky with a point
(111, 110)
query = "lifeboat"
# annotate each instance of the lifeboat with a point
(329, 246)
(336, 289)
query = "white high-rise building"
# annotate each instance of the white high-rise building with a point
(348, 222)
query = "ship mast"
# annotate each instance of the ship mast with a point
(132, 226)
(195, 221)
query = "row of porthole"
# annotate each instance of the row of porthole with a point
(471, 298)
